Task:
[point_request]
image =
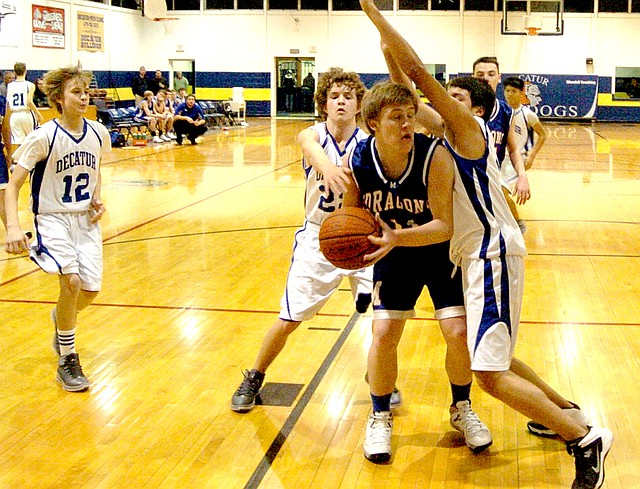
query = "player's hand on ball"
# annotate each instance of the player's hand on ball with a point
(385, 242)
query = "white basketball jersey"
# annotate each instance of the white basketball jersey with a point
(523, 120)
(483, 224)
(318, 203)
(64, 167)
(18, 95)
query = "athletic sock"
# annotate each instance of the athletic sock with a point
(381, 403)
(67, 341)
(460, 393)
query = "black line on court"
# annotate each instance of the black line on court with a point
(270, 455)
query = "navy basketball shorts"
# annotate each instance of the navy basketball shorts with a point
(401, 275)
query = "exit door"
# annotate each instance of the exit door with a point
(296, 84)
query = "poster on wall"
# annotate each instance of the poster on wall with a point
(90, 32)
(47, 27)
(9, 21)
(561, 96)
(557, 96)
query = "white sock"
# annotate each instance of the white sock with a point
(67, 341)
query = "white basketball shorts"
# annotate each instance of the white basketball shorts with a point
(312, 279)
(493, 291)
(69, 243)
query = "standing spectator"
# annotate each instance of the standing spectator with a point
(139, 85)
(308, 89)
(22, 113)
(67, 207)
(309, 82)
(159, 82)
(189, 120)
(8, 77)
(180, 81)
(633, 90)
(289, 85)
(39, 97)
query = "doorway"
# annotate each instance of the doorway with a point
(188, 69)
(296, 84)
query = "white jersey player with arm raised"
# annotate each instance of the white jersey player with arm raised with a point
(489, 247)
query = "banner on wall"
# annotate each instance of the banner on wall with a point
(558, 96)
(47, 27)
(9, 22)
(561, 96)
(90, 32)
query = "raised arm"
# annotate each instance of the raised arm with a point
(426, 116)
(461, 129)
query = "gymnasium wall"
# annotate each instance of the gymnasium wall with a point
(238, 48)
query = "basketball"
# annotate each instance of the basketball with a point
(344, 237)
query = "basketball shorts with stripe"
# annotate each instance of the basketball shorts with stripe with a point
(68, 243)
(494, 289)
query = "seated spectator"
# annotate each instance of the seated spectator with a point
(181, 97)
(189, 120)
(144, 113)
(164, 116)
(39, 97)
(172, 97)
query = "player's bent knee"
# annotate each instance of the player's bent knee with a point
(488, 381)
(71, 283)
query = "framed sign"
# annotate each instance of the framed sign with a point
(47, 24)
(90, 32)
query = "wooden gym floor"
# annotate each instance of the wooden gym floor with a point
(197, 246)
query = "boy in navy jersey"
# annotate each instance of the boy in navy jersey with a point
(488, 246)
(406, 179)
(62, 158)
(504, 135)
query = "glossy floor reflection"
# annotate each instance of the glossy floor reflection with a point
(197, 246)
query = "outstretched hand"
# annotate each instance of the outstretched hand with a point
(337, 178)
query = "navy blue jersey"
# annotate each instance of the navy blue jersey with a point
(401, 202)
(400, 276)
(499, 125)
